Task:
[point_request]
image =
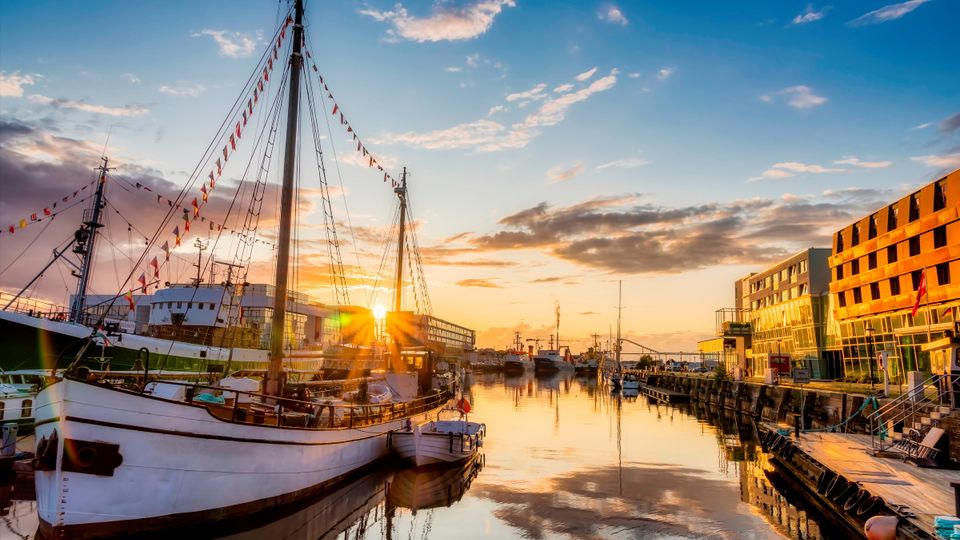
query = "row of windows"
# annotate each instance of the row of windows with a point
(856, 295)
(893, 215)
(787, 274)
(200, 305)
(913, 249)
(780, 296)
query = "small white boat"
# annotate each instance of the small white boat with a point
(438, 441)
(630, 382)
(549, 361)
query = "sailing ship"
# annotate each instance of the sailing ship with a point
(209, 452)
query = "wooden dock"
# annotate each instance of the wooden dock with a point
(923, 492)
(663, 395)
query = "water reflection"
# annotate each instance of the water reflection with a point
(564, 457)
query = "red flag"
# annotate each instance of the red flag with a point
(384, 177)
(203, 189)
(196, 208)
(46, 211)
(244, 118)
(211, 179)
(129, 297)
(236, 130)
(12, 229)
(142, 280)
(233, 142)
(166, 250)
(266, 75)
(224, 153)
(156, 267)
(921, 290)
(219, 167)
(256, 95)
(33, 217)
(186, 223)
(249, 106)
(176, 233)
(270, 62)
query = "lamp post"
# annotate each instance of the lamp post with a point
(869, 333)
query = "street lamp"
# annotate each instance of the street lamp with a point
(869, 333)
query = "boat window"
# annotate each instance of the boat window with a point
(26, 410)
(1, 410)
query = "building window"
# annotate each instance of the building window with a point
(872, 260)
(892, 214)
(915, 278)
(891, 254)
(943, 274)
(179, 305)
(872, 228)
(842, 298)
(840, 271)
(839, 241)
(914, 207)
(855, 239)
(857, 296)
(189, 305)
(895, 286)
(939, 195)
(940, 236)
(914, 246)
(854, 267)
(874, 291)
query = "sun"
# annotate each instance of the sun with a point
(379, 312)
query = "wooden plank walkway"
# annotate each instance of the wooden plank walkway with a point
(667, 396)
(924, 492)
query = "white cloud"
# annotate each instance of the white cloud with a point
(183, 89)
(563, 88)
(634, 75)
(810, 15)
(496, 109)
(129, 110)
(945, 161)
(490, 136)
(12, 85)
(231, 44)
(855, 161)
(612, 14)
(924, 125)
(665, 73)
(453, 69)
(798, 97)
(562, 173)
(529, 96)
(586, 75)
(887, 13)
(131, 78)
(445, 24)
(629, 163)
(786, 169)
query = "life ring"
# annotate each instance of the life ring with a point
(856, 500)
(842, 493)
(869, 506)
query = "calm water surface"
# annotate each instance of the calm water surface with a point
(563, 458)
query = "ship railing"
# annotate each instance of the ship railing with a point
(34, 307)
(262, 409)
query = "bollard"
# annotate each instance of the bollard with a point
(9, 445)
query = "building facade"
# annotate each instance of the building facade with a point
(790, 316)
(878, 264)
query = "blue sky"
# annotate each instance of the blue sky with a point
(676, 145)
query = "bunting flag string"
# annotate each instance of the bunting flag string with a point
(338, 111)
(49, 211)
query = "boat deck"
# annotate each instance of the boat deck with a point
(924, 492)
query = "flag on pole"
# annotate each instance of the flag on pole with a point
(166, 250)
(203, 189)
(921, 290)
(156, 267)
(142, 280)
(236, 130)
(129, 298)
(196, 208)
(176, 233)
(266, 74)
(335, 109)
(233, 142)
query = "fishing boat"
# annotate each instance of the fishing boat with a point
(516, 361)
(550, 361)
(203, 452)
(438, 441)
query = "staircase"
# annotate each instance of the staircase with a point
(899, 426)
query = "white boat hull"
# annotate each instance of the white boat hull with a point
(430, 448)
(181, 465)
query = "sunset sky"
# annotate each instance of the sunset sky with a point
(554, 148)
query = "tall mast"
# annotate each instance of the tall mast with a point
(619, 311)
(273, 381)
(86, 238)
(401, 192)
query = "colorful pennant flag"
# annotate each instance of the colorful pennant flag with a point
(176, 233)
(166, 249)
(156, 267)
(129, 298)
(921, 290)
(142, 280)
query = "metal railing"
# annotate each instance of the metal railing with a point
(909, 409)
(262, 409)
(34, 307)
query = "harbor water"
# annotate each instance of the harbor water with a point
(564, 457)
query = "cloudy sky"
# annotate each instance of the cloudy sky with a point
(553, 150)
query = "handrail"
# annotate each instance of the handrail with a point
(905, 410)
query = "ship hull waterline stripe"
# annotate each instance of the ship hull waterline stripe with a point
(201, 523)
(205, 436)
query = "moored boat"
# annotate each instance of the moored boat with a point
(550, 361)
(438, 441)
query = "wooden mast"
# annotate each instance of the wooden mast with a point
(273, 383)
(401, 192)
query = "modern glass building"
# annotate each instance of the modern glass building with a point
(878, 264)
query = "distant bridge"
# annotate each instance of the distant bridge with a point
(662, 356)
